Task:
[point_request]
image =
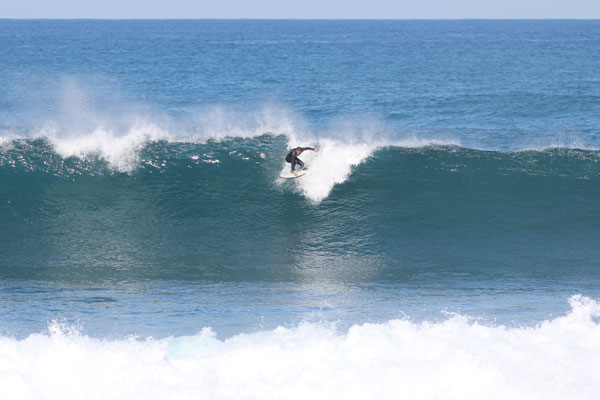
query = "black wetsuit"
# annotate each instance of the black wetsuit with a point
(293, 159)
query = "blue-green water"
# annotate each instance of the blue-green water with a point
(458, 171)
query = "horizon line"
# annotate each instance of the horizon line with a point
(292, 19)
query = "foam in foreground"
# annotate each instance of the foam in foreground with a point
(454, 359)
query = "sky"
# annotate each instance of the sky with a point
(327, 9)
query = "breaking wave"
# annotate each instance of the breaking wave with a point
(455, 358)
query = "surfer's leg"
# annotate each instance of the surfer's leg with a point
(295, 162)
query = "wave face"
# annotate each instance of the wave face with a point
(216, 209)
(455, 358)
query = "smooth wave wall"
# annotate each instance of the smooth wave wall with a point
(454, 359)
(218, 210)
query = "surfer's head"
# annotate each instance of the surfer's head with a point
(298, 150)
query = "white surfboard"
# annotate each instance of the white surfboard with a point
(289, 175)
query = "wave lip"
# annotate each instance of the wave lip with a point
(331, 165)
(334, 162)
(456, 358)
(121, 152)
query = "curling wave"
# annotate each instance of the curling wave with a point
(218, 210)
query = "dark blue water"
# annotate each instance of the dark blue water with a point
(458, 170)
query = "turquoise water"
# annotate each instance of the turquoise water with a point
(458, 171)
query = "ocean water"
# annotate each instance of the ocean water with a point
(444, 244)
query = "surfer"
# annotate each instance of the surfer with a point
(292, 157)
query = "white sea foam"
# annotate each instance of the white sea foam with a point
(453, 359)
(5, 140)
(96, 121)
(120, 151)
(331, 165)
(120, 142)
(334, 161)
(82, 128)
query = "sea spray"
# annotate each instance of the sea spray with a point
(330, 166)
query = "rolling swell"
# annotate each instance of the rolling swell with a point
(216, 211)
